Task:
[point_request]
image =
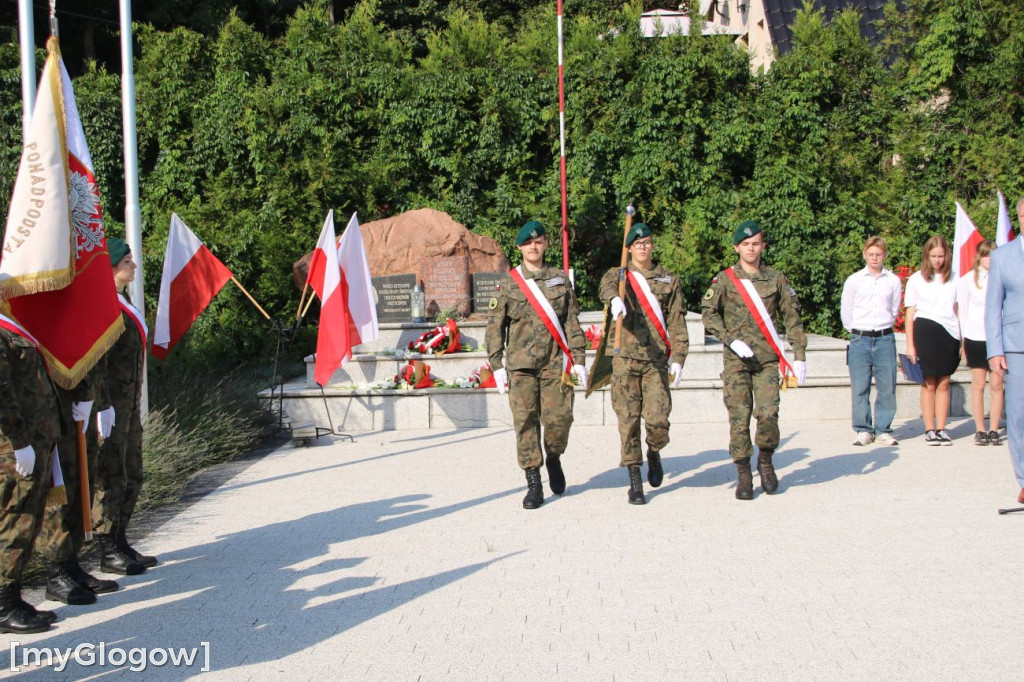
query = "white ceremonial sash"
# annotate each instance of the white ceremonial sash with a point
(652, 307)
(136, 315)
(540, 303)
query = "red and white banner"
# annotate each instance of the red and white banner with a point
(334, 338)
(650, 305)
(355, 272)
(544, 311)
(1004, 229)
(966, 239)
(192, 277)
(55, 269)
(755, 305)
(136, 315)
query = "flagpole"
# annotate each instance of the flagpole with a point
(302, 298)
(27, 41)
(244, 291)
(132, 212)
(561, 161)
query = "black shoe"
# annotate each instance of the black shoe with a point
(744, 482)
(932, 438)
(97, 585)
(144, 559)
(981, 438)
(769, 481)
(994, 439)
(556, 477)
(655, 473)
(943, 437)
(17, 617)
(114, 559)
(534, 490)
(47, 616)
(636, 485)
(62, 587)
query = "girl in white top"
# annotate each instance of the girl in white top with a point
(971, 304)
(933, 334)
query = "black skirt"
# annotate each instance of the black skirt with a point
(938, 353)
(977, 354)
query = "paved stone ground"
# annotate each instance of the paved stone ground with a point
(407, 556)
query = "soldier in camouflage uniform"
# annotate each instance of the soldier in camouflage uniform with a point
(750, 378)
(30, 427)
(641, 369)
(529, 363)
(118, 478)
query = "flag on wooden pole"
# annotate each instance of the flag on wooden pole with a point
(966, 239)
(334, 338)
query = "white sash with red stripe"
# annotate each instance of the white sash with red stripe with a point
(136, 316)
(15, 328)
(650, 305)
(544, 310)
(755, 305)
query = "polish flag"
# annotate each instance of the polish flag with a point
(355, 275)
(55, 274)
(334, 335)
(1004, 229)
(965, 242)
(192, 277)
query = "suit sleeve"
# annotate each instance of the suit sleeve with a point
(790, 306)
(994, 311)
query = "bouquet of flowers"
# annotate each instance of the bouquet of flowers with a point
(416, 374)
(439, 340)
(483, 377)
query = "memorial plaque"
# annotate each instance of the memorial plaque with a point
(391, 294)
(446, 284)
(484, 290)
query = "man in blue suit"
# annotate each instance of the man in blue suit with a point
(1004, 332)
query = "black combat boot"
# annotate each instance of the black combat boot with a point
(769, 481)
(556, 477)
(114, 558)
(534, 490)
(655, 474)
(97, 585)
(47, 616)
(17, 617)
(745, 484)
(144, 559)
(62, 587)
(636, 485)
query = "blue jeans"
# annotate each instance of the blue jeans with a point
(875, 357)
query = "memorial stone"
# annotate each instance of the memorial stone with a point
(391, 294)
(446, 284)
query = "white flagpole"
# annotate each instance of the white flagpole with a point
(132, 213)
(27, 41)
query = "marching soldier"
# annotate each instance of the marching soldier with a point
(738, 311)
(654, 344)
(535, 344)
(30, 427)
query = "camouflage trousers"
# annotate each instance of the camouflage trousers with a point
(118, 476)
(640, 389)
(539, 398)
(750, 387)
(22, 501)
(62, 534)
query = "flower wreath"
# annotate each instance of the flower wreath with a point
(439, 340)
(415, 374)
(483, 377)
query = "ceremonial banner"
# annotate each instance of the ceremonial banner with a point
(192, 277)
(334, 340)
(55, 273)
(1004, 229)
(965, 242)
(355, 273)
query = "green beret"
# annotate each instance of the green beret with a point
(530, 230)
(118, 249)
(746, 230)
(636, 232)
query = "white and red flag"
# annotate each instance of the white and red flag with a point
(334, 337)
(966, 239)
(55, 274)
(355, 273)
(192, 277)
(1004, 229)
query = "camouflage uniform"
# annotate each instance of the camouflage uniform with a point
(118, 477)
(751, 382)
(640, 381)
(29, 415)
(518, 341)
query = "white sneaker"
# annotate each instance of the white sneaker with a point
(864, 438)
(886, 439)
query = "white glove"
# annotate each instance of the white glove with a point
(800, 369)
(80, 412)
(581, 374)
(105, 422)
(741, 349)
(618, 308)
(676, 370)
(501, 380)
(25, 461)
